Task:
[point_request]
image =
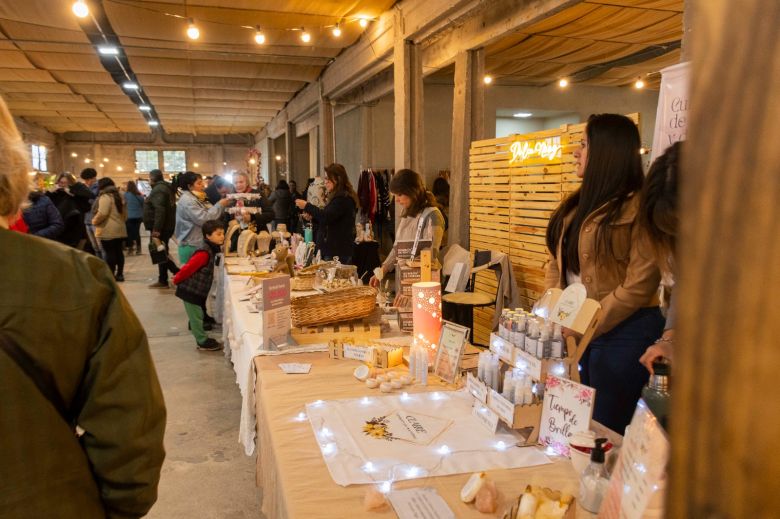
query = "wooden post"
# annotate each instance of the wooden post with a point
(726, 397)
(290, 151)
(327, 133)
(468, 109)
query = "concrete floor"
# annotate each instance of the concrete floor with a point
(206, 474)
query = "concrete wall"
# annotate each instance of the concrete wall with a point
(581, 99)
(34, 134)
(382, 140)
(301, 168)
(349, 142)
(512, 125)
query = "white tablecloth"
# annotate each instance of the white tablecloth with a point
(242, 334)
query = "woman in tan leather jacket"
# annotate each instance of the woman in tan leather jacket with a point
(593, 239)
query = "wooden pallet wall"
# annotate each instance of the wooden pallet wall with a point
(510, 205)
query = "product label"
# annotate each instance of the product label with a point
(503, 407)
(528, 363)
(357, 353)
(502, 348)
(477, 389)
(485, 416)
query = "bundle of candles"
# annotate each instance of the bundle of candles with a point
(418, 364)
(517, 386)
(534, 335)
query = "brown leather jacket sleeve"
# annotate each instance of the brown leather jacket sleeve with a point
(637, 290)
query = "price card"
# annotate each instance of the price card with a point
(503, 407)
(485, 416)
(502, 348)
(360, 353)
(637, 477)
(452, 343)
(528, 363)
(477, 389)
(276, 311)
(567, 409)
(420, 503)
(295, 368)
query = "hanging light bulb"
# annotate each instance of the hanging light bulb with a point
(487, 79)
(259, 36)
(563, 83)
(80, 8)
(337, 31)
(305, 36)
(363, 22)
(193, 32)
(639, 84)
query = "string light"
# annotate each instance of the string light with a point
(193, 32)
(80, 9)
(87, 161)
(252, 161)
(563, 82)
(119, 168)
(412, 472)
(329, 449)
(337, 31)
(443, 450)
(639, 84)
(195, 165)
(105, 159)
(368, 467)
(259, 36)
(301, 417)
(500, 446)
(487, 79)
(305, 36)
(363, 22)
(386, 487)
(74, 154)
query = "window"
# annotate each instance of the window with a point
(147, 160)
(39, 158)
(174, 161)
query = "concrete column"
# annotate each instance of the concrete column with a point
(272, 163)
(327, 133)
(314, 154)
(290, 151)
(468, 125)
(367, 132)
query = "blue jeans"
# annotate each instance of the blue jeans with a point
(611, 365)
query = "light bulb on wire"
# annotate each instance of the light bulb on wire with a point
(487, 79)
(639, 84)
(305, 36)
(259, 36)
(337, 31)
(193, 32)
(363, 22)
(80, 9)
(563, 83)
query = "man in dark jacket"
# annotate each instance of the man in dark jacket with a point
(42, 217)
(160, 219)
(86, 193)
(217, 189)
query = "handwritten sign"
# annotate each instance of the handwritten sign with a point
(502, 347)
(485, 416)
(503, 407)
(568, 306)
(276, 311)
(452, 342)
(568, 407)
(477, 389)
(636, 484)
(549, 149)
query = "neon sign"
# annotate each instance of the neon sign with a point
(549, 149)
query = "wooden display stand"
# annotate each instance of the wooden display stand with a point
(527, 417)
(359, 330)
(381, 356)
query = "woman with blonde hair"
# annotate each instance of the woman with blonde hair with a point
(82, 425)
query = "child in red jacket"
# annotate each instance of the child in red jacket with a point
(193, 282)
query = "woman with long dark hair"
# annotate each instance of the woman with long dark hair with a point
(658, 218)
(421, 219)
(337, 219)
(593, 239)
(109, 220)
(135, 213)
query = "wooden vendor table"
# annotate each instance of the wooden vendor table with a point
(294, 477)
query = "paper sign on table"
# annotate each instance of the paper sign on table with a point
(402, 424)
(295, 367)
(276, 311)
(420, 503)
(568, 306)
(502, 348)
(485, 416)
(636, 478)
(452, 343)
(476, 388)
(568, 407)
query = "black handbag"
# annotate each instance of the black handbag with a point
(158, 254)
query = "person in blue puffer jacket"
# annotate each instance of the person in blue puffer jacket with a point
(42, 217)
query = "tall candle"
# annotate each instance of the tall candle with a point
(426, 316)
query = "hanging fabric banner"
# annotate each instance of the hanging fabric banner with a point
(671, 120)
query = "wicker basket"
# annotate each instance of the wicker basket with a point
(343, 305)
(302, 282)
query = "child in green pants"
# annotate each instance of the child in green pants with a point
(193, 282)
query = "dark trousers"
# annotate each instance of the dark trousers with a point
(133, 226)
(166, 266)
(611, 366)
(114, 255)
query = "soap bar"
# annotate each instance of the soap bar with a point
(396, 384)
(385, 387)
(361, 372)
(382, 378)
(406, 380)
(372, 382)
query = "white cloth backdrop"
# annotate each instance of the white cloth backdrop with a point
(671, 120)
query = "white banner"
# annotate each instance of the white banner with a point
(671, 120)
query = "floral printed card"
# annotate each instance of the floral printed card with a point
(401, 424)
(568, 407)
